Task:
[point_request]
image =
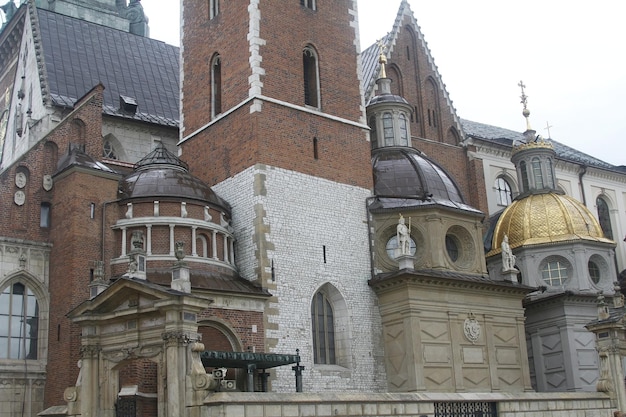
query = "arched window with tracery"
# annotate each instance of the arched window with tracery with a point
(604, 217)
(504, 194)
(310, 68)
(216, 85)
(19, 322)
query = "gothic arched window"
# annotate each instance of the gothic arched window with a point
(503, 191)
(604, 217)
(19, 322)
(216, 85)
(311, 77)
(323, 326)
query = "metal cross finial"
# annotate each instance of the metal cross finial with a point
(382, 59)
(548, 126)
(524, 97)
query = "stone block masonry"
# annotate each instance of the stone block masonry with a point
(297, 234)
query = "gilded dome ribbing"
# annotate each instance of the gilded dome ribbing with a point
(546, 218)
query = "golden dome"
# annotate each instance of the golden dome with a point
(545, 218)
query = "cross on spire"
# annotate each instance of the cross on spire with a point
(524, 97)
(548, 126)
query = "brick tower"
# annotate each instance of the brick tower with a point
(273, 118)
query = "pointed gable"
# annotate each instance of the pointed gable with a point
(415, 77)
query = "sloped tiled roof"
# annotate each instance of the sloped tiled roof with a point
(506, 137)
(80, 54)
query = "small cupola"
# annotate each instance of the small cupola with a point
(388, 115)
(533, 158)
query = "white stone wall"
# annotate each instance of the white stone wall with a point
(21, 390)
(288, 218)
(134, 140)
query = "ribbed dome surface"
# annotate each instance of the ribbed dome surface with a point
(402, 172)
(161, 174)
(545, 218)
(405, 177)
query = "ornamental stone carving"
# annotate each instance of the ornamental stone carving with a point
(471, 329)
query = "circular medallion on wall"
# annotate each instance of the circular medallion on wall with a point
(19, 198)
(20, 180)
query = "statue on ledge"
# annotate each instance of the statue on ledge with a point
(134, 13)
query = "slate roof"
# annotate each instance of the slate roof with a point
(506, 137)
(79, 54)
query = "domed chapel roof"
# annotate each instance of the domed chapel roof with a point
(404, 176)
(546, 218)
(161, 174)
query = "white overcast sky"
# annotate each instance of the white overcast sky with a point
(569, 53)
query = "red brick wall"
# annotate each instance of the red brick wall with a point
(277, 136)
(241, 323)
(281, 137)
(414, 80)
(76, 239)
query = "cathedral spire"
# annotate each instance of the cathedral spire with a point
(533, 157)
(524, 102)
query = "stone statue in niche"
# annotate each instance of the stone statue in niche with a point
(136, 240)
(508, 259)
(403, 235)
(179, 251)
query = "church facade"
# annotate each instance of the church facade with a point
(312, 219)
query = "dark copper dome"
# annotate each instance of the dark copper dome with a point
(161, 174)
(403, 176)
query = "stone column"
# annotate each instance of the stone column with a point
(194, 249)
(175, 359)
(171, 240)
(214, 244)
(88, 381)
(149, 239)
(123, 241)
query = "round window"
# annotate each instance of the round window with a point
(452, 247)
(594, 272)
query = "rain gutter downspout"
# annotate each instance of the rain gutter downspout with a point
(581, 172)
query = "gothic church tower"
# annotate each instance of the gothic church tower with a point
(273, 118)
